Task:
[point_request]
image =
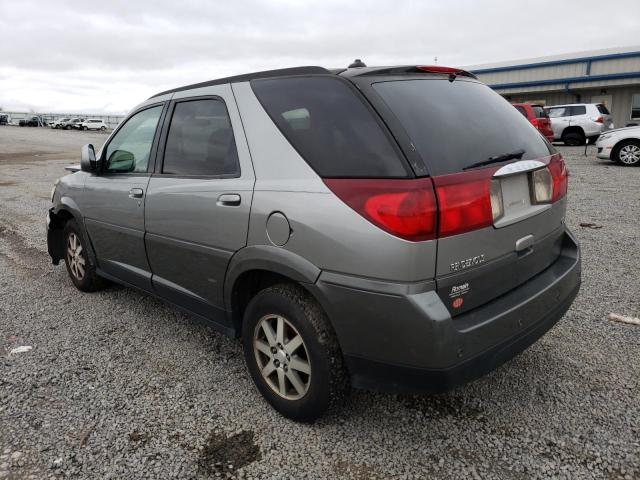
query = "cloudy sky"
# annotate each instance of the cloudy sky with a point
(108, 55)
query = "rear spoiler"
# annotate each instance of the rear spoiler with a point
(72, 168)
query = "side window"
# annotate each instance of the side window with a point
(578, 110)
(635, 106)
(200, 140)
(330, 126)
(558, 112)
(522, 111)
(128, 151)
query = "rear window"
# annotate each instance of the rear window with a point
(602, 109)
(539, 111)
(330, 127)
(455, 124)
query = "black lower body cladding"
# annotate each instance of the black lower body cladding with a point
(401, 338)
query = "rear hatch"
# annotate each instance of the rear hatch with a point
(499, 185)
(607, 119)
(541, 120)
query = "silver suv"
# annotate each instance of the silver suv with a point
(365, 226)
(576, 123)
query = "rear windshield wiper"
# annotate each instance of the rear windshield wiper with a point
(498, 158)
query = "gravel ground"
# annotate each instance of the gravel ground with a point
(118, 385)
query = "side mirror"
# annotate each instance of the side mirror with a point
(88, 162)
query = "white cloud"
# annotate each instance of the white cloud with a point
(108, 56)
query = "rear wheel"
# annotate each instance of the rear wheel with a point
(80, 264)
(627, 153)
(103, 128)
(573, 139)
(292, 353)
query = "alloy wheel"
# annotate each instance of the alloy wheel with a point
(630, 154)
(282, 357)
(75, 256)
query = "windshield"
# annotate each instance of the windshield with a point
(457, 124)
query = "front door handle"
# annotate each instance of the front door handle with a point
(229, 200)
(136, 193)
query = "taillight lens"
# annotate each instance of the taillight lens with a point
(599, 119)
(541, 186)
(464, 201)
(404, 208)
(560, 176)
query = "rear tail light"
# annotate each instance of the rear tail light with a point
(464, 201)
(429, 208)
(541, 186)
(534, 122)
(560, 176)
(404, 208)
(599, 119)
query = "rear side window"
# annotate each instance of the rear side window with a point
(456, 124)
(602, 109)
(539, 111)
(200, 140)
(578, 110)
(330, 127)
(522, 110)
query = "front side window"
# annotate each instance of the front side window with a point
(200, 140)
(128, 151)
(635, 106)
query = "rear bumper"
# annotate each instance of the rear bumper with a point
(401, 338)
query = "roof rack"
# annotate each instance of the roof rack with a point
(282, 72)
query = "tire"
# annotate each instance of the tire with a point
(318, 353)
(102, 129)
(83, 275)
(627, 153)
(573, 139)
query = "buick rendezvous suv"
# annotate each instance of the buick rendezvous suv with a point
(391, 228)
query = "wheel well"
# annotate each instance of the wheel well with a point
(577, 130)
(247, 286)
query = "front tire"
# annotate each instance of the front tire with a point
(80, 263)
(292, 352)
(627, 153)
(102, 129)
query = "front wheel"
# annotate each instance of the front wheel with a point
(80, 264)
(628, 153)
(103, 129)
(292, 352)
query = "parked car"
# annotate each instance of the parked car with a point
(32, 121)
(621, 145)
(93, 124)
(73, 123)
(537, 115)
(368, 226)
(575, 124)
(5, 119)
(59, 123)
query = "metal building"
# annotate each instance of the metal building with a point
(610, 76)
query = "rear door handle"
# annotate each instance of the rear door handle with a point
(136, 193)
(229, 200)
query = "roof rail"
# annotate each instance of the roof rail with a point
(281, 72)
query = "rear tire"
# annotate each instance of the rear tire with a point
(573, 139)
(627, 153)
(102, 129)
(292, 353)
(80, 263)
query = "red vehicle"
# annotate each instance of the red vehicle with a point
(538, 117)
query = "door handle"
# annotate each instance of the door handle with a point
(229, 200)
(136, 193)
